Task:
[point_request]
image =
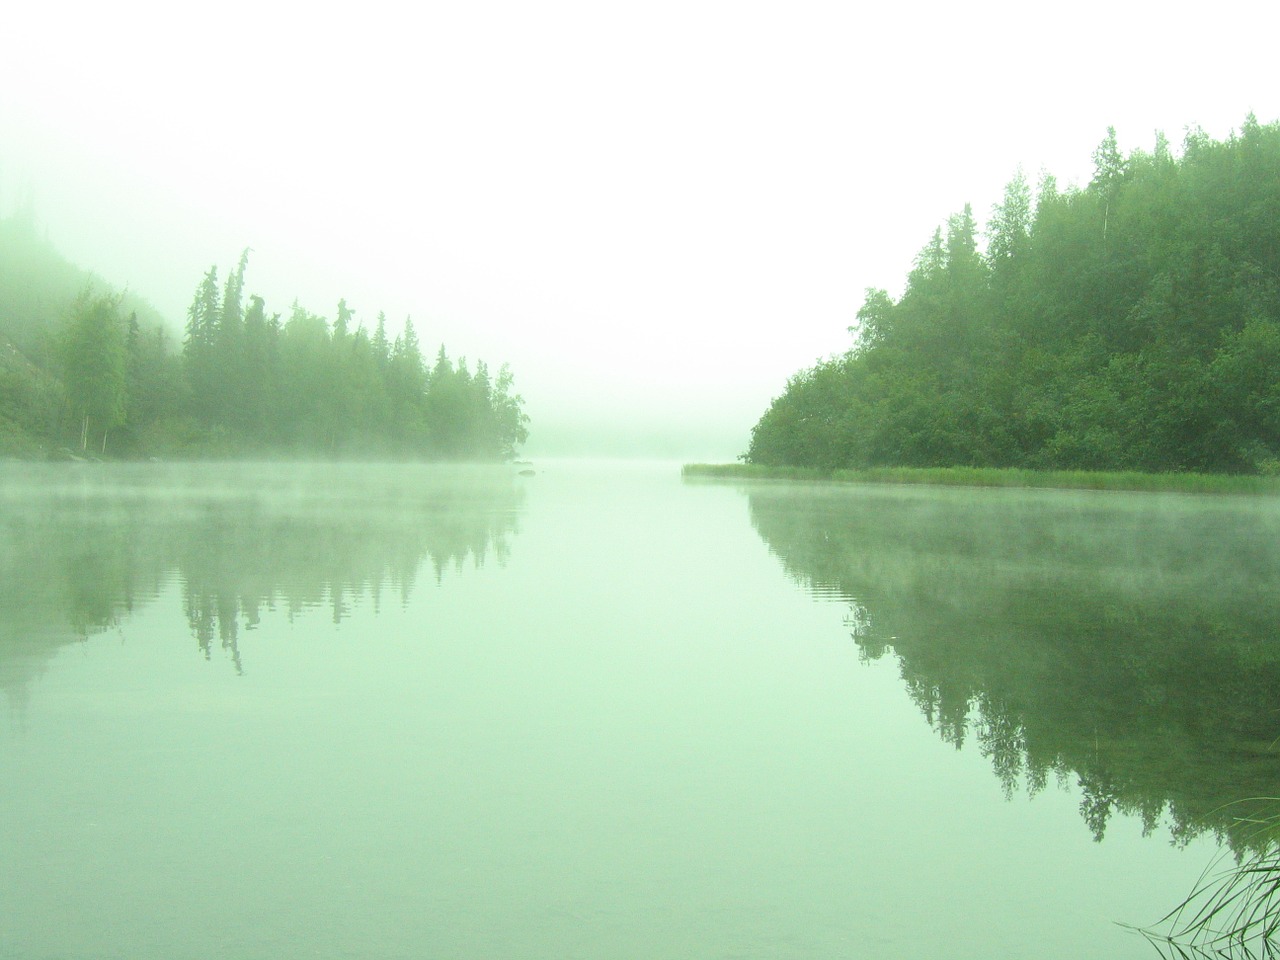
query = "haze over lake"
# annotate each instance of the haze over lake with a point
(609, 198)
(407, 711)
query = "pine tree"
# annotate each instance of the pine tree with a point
(342, 325)
(381, 348)
(200, 348)
(258, 381)
(228, 398)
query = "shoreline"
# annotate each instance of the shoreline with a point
(1007, 477)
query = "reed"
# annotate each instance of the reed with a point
(1233, 912)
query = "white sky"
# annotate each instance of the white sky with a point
(656, 212)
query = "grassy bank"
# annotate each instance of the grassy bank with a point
(988, 477)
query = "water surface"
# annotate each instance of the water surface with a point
(286, 712)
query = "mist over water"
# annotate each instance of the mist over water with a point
(87, 546)
(583, 709)
(1123, 642)
(271, 711)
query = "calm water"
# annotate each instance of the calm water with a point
(254, 712)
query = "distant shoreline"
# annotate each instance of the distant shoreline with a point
(998, 477)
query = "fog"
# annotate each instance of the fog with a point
(655, 213)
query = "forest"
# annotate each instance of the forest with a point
(1132, 323)
(88, 372)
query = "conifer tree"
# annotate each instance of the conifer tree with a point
(200, 347)
(380, 345)
(1123, 325)
(342, 325)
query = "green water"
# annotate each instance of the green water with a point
(406, 712)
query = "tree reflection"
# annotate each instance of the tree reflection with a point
(1123, 641)
(81, 547)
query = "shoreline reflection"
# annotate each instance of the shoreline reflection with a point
(84, 546)
(1124, 641)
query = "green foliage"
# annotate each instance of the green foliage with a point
(1124, 643)
(41, 298)
(78, 367)
(1267, 484)
(308, 387)
(1234, 910)
(1129, 325)
(31, 403)
(95, 366)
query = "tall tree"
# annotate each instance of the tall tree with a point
(511, 422)
(874, 319)
(258, 373)
(200, 348)
(95, 362)
(1108, 172)
(228, 394)
(233, 296)
(342, 325)
(1009, 231)
(380, 345)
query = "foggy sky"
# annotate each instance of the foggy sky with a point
(655, 212)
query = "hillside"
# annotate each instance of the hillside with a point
(1130, 324)
(38, 288)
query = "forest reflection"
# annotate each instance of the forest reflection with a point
(1126, 641)
(83, 546)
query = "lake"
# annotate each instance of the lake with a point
(254, 711)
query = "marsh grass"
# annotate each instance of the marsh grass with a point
(1233, 912)
(992, 477)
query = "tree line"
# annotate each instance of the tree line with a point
(1133, 323)
(249, 382)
